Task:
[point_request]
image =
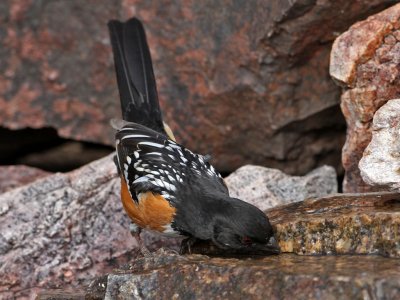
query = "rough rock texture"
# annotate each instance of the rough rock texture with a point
(380, 164)
(15, 176)
(266, 188)
(342, 224)
(274, 277)
(65, 229)
(246, 81)
(365, 60)
(337, 224)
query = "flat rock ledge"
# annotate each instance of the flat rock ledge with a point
(169, 276)
(336, 225)
(339, 224)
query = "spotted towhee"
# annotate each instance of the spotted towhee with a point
(164, 186)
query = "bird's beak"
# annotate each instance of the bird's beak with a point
(272, 246)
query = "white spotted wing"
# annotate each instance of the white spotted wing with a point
(149, 161)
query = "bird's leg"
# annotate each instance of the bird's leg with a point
(187, 244)
(135, 232)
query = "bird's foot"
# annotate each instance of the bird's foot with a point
(135, 232)
(186, 245)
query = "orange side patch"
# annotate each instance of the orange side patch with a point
(153, 211)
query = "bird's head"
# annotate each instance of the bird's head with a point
(241, 226)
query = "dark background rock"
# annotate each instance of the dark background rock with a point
(365, 60)
(246, 81)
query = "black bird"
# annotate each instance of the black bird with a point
(164, 186)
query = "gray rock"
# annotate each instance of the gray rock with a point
(266, 188)
(65, 229)
(380, 164)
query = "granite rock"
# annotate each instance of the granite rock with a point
(245, 81)
(266, 188)
(380, 164)
(65, 229)
(337, 224)
(274, 277)
(365, 61)
(15, 176)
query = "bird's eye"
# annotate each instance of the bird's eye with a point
(246, 240)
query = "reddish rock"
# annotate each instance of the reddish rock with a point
(246, 81)
(65, 229)
(15, 176)
(365, 60)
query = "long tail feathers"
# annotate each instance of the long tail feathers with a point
(135, 76)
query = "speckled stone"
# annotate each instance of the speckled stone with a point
(365, 61)
(380, 164)
(337, 224)
(266, 187)
(274, 277)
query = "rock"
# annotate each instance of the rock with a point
(338, 224)
(266, 188)
(15, 176)
(365, 61)
(273, 277)
(342, 224)
(245, 81)
(65, 229)
(380, 164)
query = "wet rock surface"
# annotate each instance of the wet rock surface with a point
(365, 60)
(380, 164)
(274, 277)
(217, 63)
(337, 224)
(342, 224)
(266, 188)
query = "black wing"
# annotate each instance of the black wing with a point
(149, 161)
(135, 76)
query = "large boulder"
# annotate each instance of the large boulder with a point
(65, 229)
(365, 61)
(245, 81)
(346, 224)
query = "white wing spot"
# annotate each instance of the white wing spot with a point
(151, 144)
(136, 154)
(128, 159)
(133, 136)
(141, 179)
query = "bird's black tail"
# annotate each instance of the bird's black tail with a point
(135, 76)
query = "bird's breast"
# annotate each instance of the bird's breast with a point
(151, 211)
